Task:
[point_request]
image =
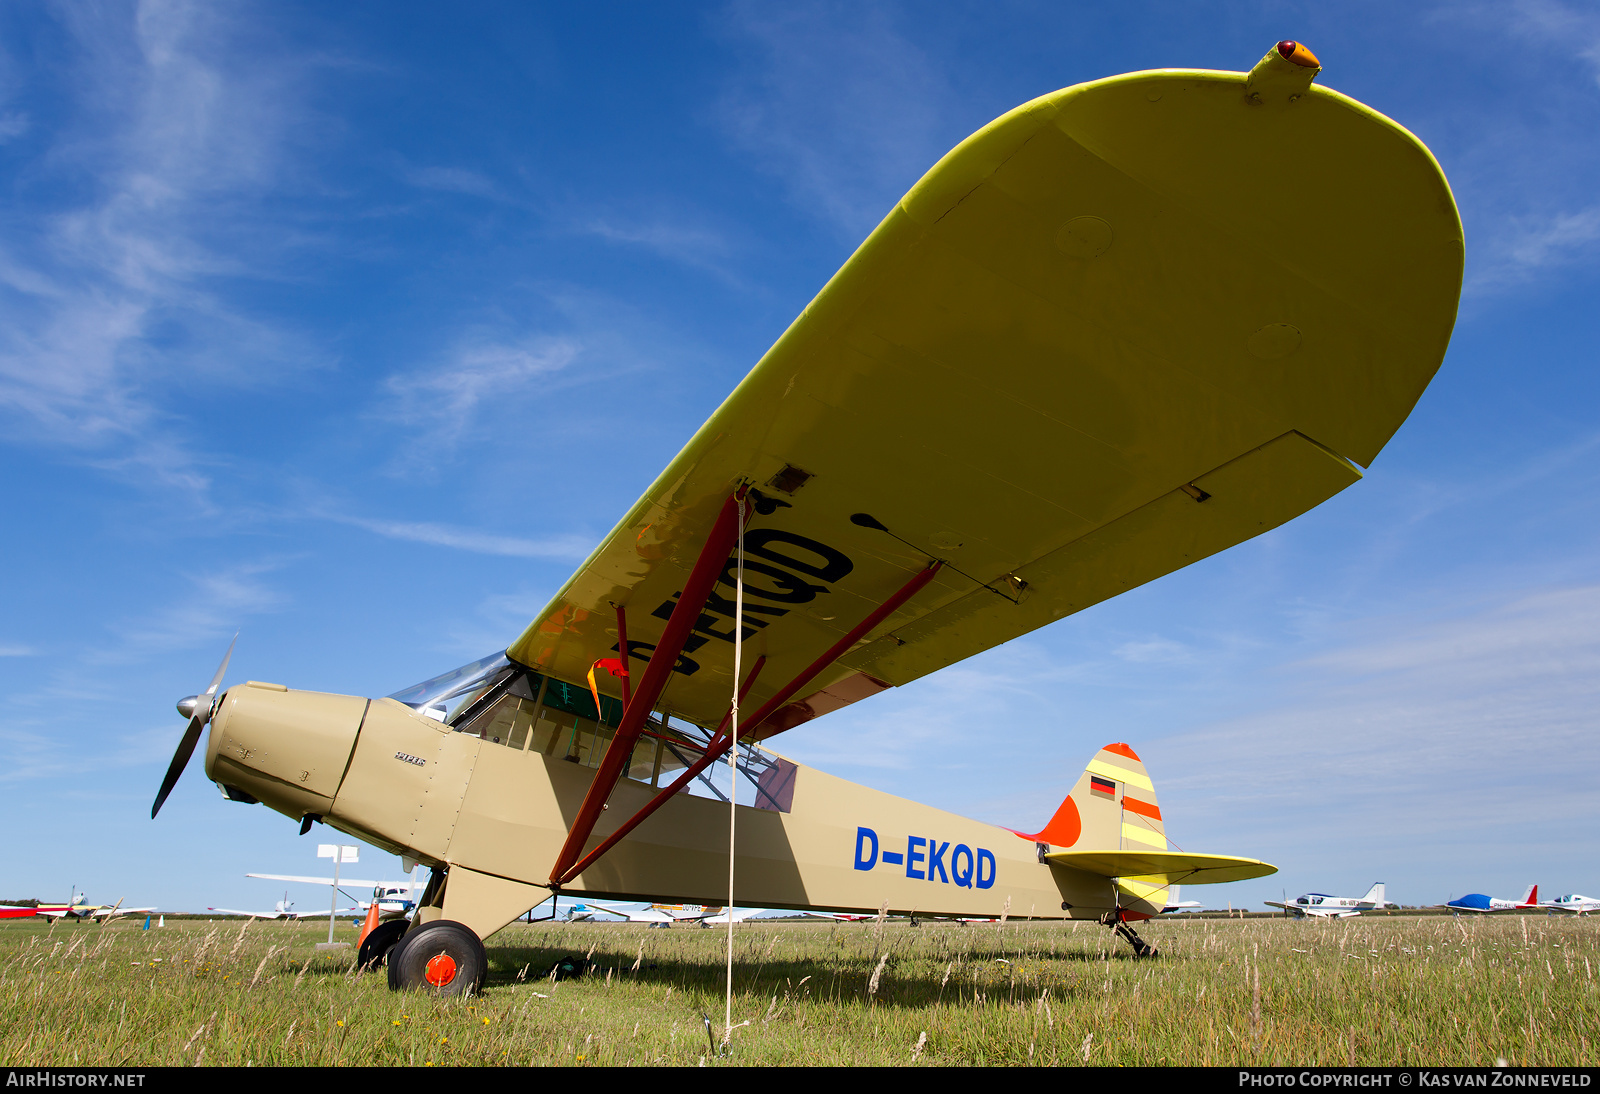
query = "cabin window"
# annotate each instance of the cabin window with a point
(517, 708)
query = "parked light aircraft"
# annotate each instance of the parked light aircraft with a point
(1479, 903)
(1176, 905)
(393, 897)
(653, 914)
(284, 909)
(1576, 903)
(664, 915)
(1124, 327)
(79, 908)
(1322, 905)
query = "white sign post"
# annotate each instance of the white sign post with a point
(338, 853)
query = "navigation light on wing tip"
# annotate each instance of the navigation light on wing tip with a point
(1299, 54)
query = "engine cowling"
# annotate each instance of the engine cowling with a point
(287, 749)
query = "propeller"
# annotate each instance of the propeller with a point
(198, 709)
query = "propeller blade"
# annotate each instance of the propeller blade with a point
(222, 668)
(180, 760)
(191, 733)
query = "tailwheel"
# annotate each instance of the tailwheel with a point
(376, 947)
(441, 957)
(1141, 948)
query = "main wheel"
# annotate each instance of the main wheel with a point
(441, 957)
(376, 946)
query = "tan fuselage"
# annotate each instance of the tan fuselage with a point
(497, 819)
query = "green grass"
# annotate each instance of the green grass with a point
(1373, 991)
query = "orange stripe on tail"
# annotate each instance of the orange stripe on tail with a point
(1144, 809)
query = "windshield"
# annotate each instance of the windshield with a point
(438, 696)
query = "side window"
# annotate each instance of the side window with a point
(506, 722)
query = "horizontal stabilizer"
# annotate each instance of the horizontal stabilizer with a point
(1168, 866)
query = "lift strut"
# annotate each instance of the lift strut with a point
(696, 591)
(721, 742)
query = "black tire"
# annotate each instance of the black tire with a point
(375, 948)
(440, 957)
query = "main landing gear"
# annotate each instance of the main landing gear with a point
(440, 957)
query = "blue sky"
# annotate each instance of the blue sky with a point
(354, 328)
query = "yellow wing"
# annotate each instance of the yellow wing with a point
(1121, 328)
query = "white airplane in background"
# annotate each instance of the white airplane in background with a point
(1324, 906)
(1480, 903)
(393, 897)
(1176, 905)
(283, 909)
(1576, 903)
(664, 915)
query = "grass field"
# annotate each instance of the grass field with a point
(1368, 991)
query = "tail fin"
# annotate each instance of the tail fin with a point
(1375, 895)
(1531, 896)
(1111, 808)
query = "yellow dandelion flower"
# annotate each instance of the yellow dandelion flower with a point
(582, 1057)
(396, 1022)
(444, 1040)
(486, 1021)
(340, 1022)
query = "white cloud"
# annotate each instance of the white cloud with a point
(698, 248)
(444, 402)
(1153, 650)
(1521, 166)
(112, 288)
(836, 102)
(14, 650)
(457, 180)
(571, 548)
(1524, 245)
(219, 603)
(1475, 725)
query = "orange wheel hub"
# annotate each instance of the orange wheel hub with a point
(440, 970)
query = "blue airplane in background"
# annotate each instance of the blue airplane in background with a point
(1481, 904)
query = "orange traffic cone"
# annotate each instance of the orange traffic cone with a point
(370, 925)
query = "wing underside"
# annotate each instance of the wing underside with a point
(1120, 329)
